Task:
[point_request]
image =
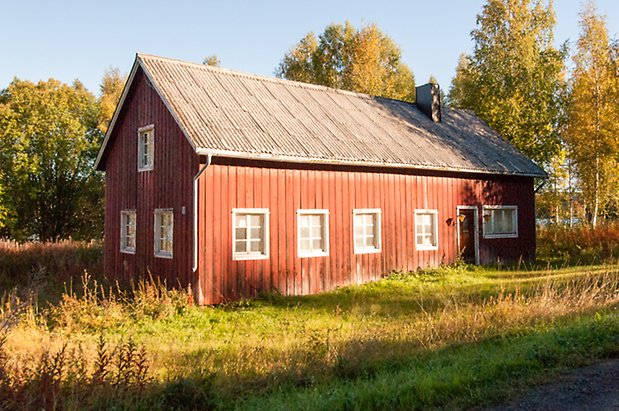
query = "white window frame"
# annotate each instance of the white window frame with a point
(123, 231)
(264, 253)
(150, 131)
(423, 247)
(500, 207)
(156, 228)
(325, 233)
(377, 213)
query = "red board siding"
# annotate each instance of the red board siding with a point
(284, 189)
(168, 185)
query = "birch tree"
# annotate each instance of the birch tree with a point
(593, 125)
(513, 78)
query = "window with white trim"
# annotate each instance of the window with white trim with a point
(146, 148)
(313, 233)
(500, 221)
(164, 233)
(366, 225)
(250, 233)
(127, 231)
(426, 229)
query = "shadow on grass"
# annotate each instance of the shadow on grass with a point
(404, 377)
(403, 294)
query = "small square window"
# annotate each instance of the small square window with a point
(146, 148)
(500, 221)
(313, 233)
(164, 233)
(127, 231)
(367, 231)
(426, 234)
(250, 233)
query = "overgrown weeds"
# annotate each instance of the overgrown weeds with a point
(101, 346)
(59, 261)
(161, 351)
(581, 245)
(65, 378)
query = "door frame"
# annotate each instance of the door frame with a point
(475, 228)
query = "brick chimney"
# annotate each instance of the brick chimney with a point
(429, 101)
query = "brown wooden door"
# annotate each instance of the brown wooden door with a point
(466, 227)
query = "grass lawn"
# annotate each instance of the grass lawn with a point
(445, 338)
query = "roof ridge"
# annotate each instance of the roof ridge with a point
(275, 80)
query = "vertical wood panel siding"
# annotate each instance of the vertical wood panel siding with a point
(168, 185)
(284, 189)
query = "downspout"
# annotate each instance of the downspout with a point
(539, 187)
(195, 212)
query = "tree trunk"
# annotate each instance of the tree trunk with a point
(570, 194)
(596, 189)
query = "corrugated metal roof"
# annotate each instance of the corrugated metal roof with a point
(234, 114)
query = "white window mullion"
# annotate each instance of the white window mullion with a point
(242, 220)
(366, 230)
(164, 233)
(426, 229)
(128, 231)
(500, 221)
(146, 147)
(312, 227)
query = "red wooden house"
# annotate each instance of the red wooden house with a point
(236, 184)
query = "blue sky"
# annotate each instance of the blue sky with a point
(70, 40)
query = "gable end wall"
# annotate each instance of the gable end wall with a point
(168, 185)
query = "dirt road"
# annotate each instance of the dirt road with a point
(591, 388)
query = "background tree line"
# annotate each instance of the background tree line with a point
(566, 119)
(50, 134)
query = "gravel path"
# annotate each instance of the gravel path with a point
(595, 387)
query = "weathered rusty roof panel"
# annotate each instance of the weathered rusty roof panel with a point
(257, 117)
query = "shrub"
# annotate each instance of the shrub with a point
(578, 245)
(58, 262)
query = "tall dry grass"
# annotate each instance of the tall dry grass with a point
(580, 245)
(100, 345)
(259, 347)
(53, 263)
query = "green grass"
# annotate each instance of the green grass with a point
(461, 376)
(448, 338)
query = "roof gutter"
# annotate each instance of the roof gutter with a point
(195, 211)
(338, 162)
(541, 184)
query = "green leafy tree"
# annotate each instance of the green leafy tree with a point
(462, 91)
(593, 125)
(111, 89)
(48, 142)
(363, 60)
(514, 78)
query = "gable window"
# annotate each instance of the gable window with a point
(127, 231)
(313, 233)
(164, 230)
(146, 148)
(500, 221)
(250, 233)
(426, 229)
(367, 233)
